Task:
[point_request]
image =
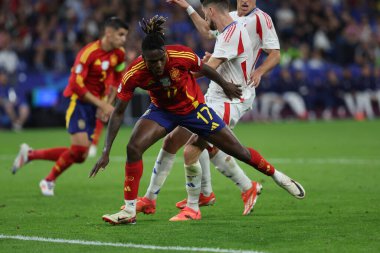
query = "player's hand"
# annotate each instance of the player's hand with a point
(206, 57)
(181, 3)
(255, 79)
(100, 164)
(107, 109)
(232, 90)
(101, 116)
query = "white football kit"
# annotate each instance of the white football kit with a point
(260, 29)
(262, 35)
(232, 44)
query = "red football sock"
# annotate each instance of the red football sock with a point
(51, 154)
(76, 154)
(260, 163)
(97, 132)
(133, 173)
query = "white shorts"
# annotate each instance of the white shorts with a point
(230, 113)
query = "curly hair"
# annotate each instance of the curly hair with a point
(154, 30)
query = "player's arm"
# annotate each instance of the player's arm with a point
(269, 43)
(211, 62)
(101, 104)
(270, 62)
(113, 128)
(231, 90)
(200, 24)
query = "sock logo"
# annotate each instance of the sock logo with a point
(130, 178)
(127, 189)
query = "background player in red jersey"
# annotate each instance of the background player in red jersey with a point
(87, 90)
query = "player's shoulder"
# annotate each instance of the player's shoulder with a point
(135, 69)
(180, 53)
(120, 51)
(177, 48)
(88, 49)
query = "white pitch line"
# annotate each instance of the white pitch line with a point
(319, 161)
(123, 245)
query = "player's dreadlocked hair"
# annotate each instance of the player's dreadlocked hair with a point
(154, 31)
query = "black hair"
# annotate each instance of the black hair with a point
(223, 4)
(154, 30)
(115, 23)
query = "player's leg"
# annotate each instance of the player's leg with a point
(95, 140)
(76, 115)
(27, 154)
(207, 196)
(162, 167)
(80, 122)
(227, 142)
(226, 164)
(193, 175)
(145, 133)
(76, 153)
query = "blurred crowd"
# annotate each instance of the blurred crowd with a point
(330, 49)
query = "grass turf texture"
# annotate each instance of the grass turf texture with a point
(338, 163)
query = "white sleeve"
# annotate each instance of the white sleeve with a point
(269, 35)
(227, 48)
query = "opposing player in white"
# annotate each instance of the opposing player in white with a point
(234, 56)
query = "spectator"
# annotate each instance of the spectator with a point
(13, 102)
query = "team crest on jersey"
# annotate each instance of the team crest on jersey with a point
(78, 68)
(119, 88)
(81, 124)
(165, 82)
(175, 74)
(105, 65)
(113, 60)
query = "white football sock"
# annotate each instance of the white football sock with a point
(130, 206)
(204, 160)
(161, 170)
(193, 184)
(227, 165)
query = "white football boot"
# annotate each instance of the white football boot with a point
(21, 158)
(122, 217)
(293, 187)
(47, 188)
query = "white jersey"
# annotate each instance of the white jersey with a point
(234, 45)
(260, 29)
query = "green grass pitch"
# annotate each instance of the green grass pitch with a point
(338, 163)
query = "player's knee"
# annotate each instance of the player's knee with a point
(79, 153)
(191, 154)
(134, 152)
(168, 144)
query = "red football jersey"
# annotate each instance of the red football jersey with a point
(176, 90)
(93, 68)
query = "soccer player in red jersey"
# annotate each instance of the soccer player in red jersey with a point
(87, 90)
(176, 101)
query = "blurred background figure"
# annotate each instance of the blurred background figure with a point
(39, 41)
(13, 102)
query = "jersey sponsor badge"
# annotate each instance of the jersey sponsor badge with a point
(165, 82)
(105, 65)
(78, 68)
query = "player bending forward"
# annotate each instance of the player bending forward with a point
(233, 57)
